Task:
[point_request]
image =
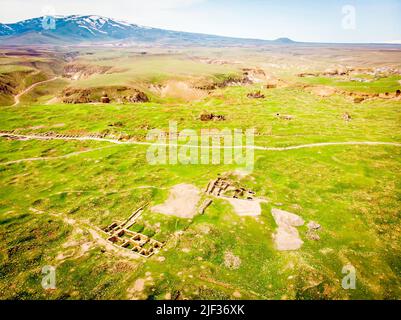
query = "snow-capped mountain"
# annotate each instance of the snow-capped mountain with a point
(5, 30)
(76, 29)
(85, 27)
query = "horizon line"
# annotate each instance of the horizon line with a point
(292, 41)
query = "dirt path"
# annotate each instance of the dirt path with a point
(326, 144)
(19, 95)
(52, 158)
(302, 146)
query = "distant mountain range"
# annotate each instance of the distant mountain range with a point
(77, 29)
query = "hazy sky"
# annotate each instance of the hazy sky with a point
(301, 20)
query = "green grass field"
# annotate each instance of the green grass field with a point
(51, 203)
(129, 69)
(382, 85)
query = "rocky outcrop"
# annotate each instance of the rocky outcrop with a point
(71, 95)
(249, 76)
(13, 82)
(6, 88)
(331, 72)
(76, 71)
(252, 75)
(105, 99)
(313, 228)
(256, 95)
(284, 116)
(136, 96)
(346, 116)
(211, 117)
(357, 97)
(119, 94)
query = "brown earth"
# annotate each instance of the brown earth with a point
(211, 117)
(11, 83)
(76, 71)
(119, 94)
(249, 76)
(322, 91)
(182, 202)
(256, 95)
(357, 97)
(179, 89)
(336, 71)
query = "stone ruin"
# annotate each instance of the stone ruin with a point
(313, 228)
(211, 117)
(135, 97)
(10, 136)
(121, 236)
(242, 200)
(347, 116)
(14, 134)
(284, 116)
(222, 187)
(205, 205)
(105, 98)
(256, 95)
(133, 241)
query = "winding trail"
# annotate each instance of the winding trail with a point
(19, 95)
(327, 144)
(115, 141)
(53, 158)
(131, 142)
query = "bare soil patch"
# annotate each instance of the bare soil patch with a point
(246, 207)
(287, 236)
(231, 261)
(139, 285)
(182, 202)
(180, 90)
(118, 94)
(322, 91)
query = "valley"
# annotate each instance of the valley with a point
(78, 193)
